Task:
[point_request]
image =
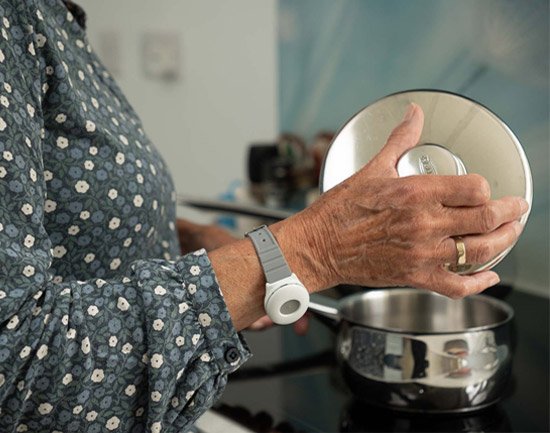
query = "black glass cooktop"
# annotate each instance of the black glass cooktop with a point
(294, 385)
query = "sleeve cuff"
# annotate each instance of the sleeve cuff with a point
(226, 346)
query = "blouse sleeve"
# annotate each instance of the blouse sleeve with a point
(151, 347)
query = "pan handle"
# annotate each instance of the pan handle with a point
(326, 310)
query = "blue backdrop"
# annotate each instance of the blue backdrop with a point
(336, 56)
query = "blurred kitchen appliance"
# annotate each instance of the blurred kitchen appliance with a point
(281, 173)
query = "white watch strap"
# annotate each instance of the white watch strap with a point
(286, 298)
(271, 258)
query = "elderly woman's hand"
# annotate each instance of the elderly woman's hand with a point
(376, 229)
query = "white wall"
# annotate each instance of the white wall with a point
(226, 96)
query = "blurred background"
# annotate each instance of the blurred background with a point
(243, 97)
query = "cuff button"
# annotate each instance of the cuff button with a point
(232, 355)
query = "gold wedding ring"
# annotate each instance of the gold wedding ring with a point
(460, 251)
(460, 265)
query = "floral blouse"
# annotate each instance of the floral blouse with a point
(103, 326)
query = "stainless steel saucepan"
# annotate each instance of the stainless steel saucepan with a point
(415, 350)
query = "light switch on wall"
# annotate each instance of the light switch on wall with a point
(161, 56)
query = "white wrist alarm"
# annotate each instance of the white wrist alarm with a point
(286, 298)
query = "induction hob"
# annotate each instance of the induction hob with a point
(303, 391)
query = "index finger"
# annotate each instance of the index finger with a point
(465, 190)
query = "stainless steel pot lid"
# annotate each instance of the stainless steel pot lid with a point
(460, 136)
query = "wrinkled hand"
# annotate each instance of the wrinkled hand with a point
(376, 229)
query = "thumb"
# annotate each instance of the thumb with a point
(403, 137)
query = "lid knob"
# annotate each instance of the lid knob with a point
(429, 159)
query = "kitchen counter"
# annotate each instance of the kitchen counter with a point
(295, 387)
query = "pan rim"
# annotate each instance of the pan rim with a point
(497, 303)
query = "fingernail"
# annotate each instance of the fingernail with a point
(410, 112)
(495, 279)
(256, 327)
(518, 228)
(524, 205)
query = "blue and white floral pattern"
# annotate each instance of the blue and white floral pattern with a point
(103, 326)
